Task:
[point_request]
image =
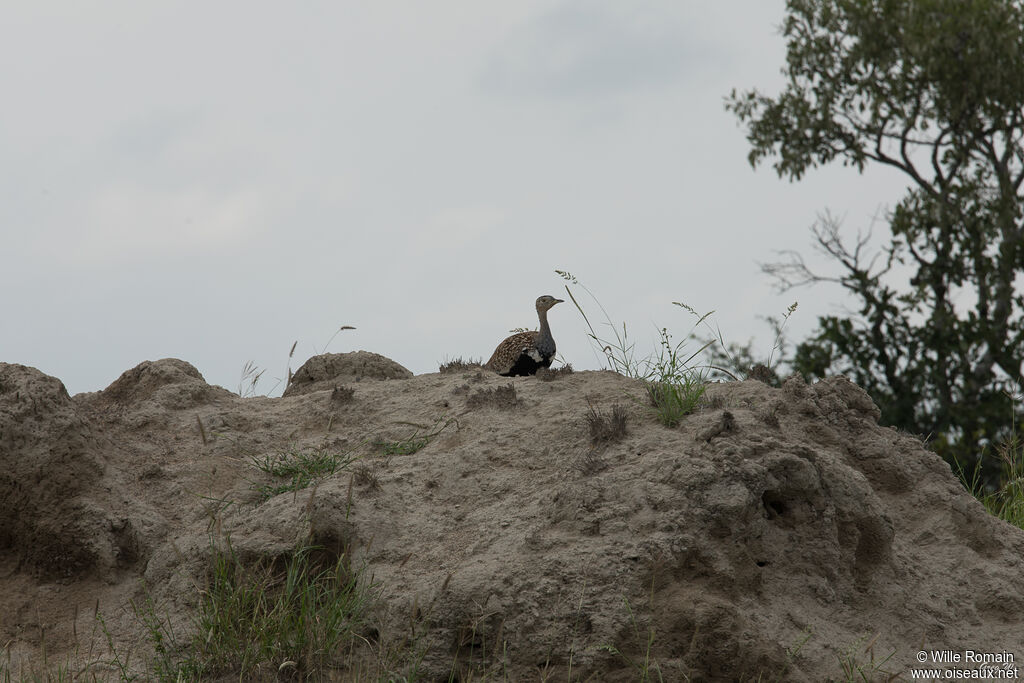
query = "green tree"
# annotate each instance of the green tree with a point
(935, 89)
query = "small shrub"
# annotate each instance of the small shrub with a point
(498, 397)
(673, 387)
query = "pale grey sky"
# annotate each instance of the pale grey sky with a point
(213, 181)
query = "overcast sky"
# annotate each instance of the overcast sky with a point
(213, 181)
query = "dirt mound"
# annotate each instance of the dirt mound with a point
(772, 521)
(170, 383)
(50, 458)
(343, 367)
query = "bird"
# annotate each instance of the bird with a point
(526, 352)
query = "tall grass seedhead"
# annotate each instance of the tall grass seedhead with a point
(251, 373)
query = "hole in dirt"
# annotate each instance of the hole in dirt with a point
(774, 505)
(761, 563)
(328, 547)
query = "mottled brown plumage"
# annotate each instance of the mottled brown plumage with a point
(526, 352)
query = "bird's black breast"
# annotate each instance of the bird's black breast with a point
(527, 365)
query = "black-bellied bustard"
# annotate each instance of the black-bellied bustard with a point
(526, 352)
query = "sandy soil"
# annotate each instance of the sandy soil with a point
(769, 519)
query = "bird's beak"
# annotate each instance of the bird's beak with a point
(559, 301)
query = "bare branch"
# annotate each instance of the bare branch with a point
(793, 270)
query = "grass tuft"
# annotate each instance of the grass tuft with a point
(165, 663)
(674, 388)
(549, 375)
(606, 428)
(459, 365)
(415, 441)
(590, 463)
(342, 394)
(366, 476)
(298, 468)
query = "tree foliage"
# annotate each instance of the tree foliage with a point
(934, 89)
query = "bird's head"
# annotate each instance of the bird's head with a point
(545, 302)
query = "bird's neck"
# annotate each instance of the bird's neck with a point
(545, 331)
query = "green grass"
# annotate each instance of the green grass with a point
(298, 468)
(297, 617)
(675, 378)
(674, 382)
(164, 664)
(265, 619)
(673, 400)
(1007, 500)
(674, 386)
